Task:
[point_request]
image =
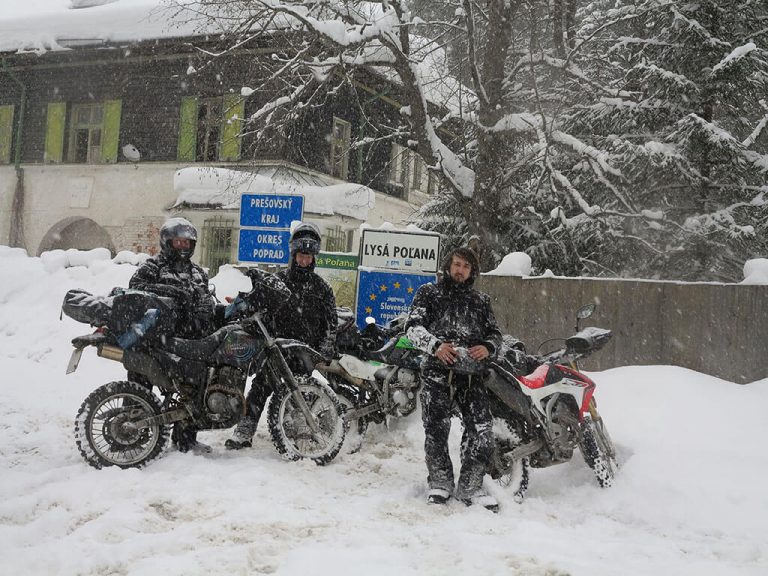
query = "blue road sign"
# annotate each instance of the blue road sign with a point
(264, 246)
(384, 295)
(270, 210)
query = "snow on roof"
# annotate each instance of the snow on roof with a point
(43, 25)
(222, 188)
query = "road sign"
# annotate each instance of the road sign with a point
(383, 295)
(264, 246)
(400, 250)
(270, 210)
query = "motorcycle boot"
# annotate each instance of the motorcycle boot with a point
(482, 498)
(438, 496)
(242, 437)
(185, 438)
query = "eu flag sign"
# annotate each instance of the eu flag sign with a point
(384, 295)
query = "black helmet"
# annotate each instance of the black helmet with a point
(177, 228)
(305, 238)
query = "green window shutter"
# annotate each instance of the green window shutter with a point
(54, 132)
(187, 129)
(111, 136)
(6, 133)
(232, 122)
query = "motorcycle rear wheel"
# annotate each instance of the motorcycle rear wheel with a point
(512, 474)
(598, 450)
(292, 435)
(105, 433)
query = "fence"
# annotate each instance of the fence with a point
(717, 329)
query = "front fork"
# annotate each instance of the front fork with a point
(287, 374)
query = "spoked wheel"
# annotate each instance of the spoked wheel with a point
(106, 432)
(510, 473)
(598, 450)
(292, 434)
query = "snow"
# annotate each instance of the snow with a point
(514, 264)
(756, 271)
(222, 188)
(689, 498)
(42, 25)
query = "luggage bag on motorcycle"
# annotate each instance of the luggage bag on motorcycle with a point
(87, 308)
(153, 315)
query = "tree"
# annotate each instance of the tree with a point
(615, 139)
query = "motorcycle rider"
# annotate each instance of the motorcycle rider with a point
(309, 315)
(172, 273)
(455, 324)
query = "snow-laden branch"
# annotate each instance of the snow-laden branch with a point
(732, 58)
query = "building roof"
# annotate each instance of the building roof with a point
(49, 25)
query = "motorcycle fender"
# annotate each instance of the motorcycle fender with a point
(74, 360)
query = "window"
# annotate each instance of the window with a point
(399, 167)
(209, 128)
(6, 133)
(340, 141)
(337, 240)
(86, 123)
(216, 244)
(94, 132)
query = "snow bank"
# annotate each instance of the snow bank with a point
(514, 264)
(756, 271)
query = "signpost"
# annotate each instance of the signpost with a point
(265, 221)
(393, 265)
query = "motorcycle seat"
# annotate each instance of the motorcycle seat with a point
(536, 379)
(198, 349)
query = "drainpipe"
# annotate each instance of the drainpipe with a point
(16, 233)
(361, 133)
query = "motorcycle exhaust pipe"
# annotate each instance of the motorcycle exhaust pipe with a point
(110, 352)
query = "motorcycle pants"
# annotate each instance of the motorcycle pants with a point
(437, 401)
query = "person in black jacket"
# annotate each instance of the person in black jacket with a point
(309, 315)
(172, 273)
(454, 323)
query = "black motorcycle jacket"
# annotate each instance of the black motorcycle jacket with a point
(309, 314)
(187, 283)
(451, 312)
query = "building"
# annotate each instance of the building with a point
(99, 118)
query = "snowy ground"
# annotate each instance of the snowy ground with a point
(690, 497)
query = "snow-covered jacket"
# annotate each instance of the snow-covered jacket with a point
(187, 283)
(309, 314)
(451, 312)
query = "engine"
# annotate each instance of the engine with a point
(224, 397)
(405, 387)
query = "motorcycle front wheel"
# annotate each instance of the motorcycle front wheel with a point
(292, 435)
(105, 429)
(598, 450)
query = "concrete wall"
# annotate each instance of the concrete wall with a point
(717, 329)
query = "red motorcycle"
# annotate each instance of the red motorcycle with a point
(541, 417)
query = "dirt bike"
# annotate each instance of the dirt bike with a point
(373, 382)
(201, 382)
(542, 417)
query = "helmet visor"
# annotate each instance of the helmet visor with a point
(306, 244)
